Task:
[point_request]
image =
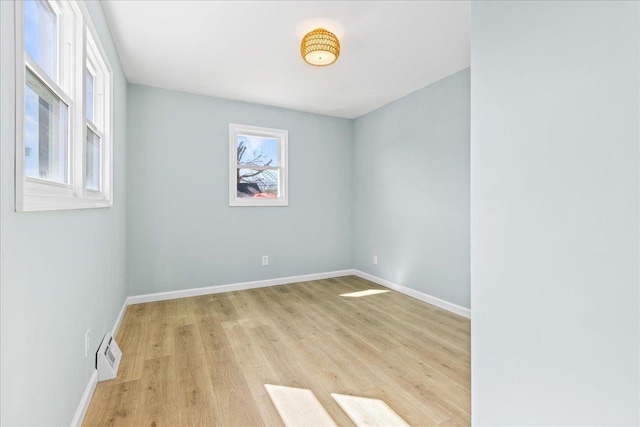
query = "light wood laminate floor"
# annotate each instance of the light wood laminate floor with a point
(205, 360)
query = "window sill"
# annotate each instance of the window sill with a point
(248, 201)
(37, 203)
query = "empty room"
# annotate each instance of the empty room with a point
(319, 213)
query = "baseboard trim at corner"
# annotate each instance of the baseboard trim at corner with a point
(78, 417)
(449, 306)
(116, 325)
(93, 380)
(194, 292)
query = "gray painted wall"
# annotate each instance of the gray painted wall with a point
(182, 232)
(554, 242)
(61, 272)
(411, 190)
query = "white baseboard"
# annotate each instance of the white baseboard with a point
(194, 292)
(185, 293)
(93, 380)
(86, 399)
(449, 306)
(116, 325)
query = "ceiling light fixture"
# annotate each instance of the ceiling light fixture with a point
(320, 47)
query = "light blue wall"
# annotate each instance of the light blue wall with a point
(555, 211)
(61, 272)
(171, 227)
(411, 190)
(182, 232)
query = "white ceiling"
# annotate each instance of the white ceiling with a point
(250, 51)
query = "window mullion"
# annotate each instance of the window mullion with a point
(20, 76)
(78, 124)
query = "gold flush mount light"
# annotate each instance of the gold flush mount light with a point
(320, 47)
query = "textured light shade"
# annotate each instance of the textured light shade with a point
(320, 47)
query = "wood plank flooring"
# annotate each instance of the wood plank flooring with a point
(205, 360)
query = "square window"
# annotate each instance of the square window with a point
(257, 166)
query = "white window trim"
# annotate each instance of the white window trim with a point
(283, 162)
(33, 194)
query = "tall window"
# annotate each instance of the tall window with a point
(94, 118)
(258, 174)
(63, 109)
(46, 109)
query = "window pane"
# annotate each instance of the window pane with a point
(89, 78)
(257, 183)
(41, 35)
(93, 161)
(46, 145)
(257, 151)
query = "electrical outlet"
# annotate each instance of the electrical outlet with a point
(87, 341)
(265, 259)
(375, 259)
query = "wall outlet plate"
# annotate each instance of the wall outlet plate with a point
(375, 259)
(265, 259)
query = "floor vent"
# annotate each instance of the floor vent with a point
(108, 356)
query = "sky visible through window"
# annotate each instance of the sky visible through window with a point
(31, 134)
(93, 161)
(89, 94)
(40, 39)
(257, 151)
(260, 151)
(40, 35)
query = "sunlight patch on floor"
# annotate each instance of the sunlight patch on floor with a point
(298, 406)
(368, 412)
(364, 293)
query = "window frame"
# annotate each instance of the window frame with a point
(282, 136)
(75, 32)
(95, 64)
